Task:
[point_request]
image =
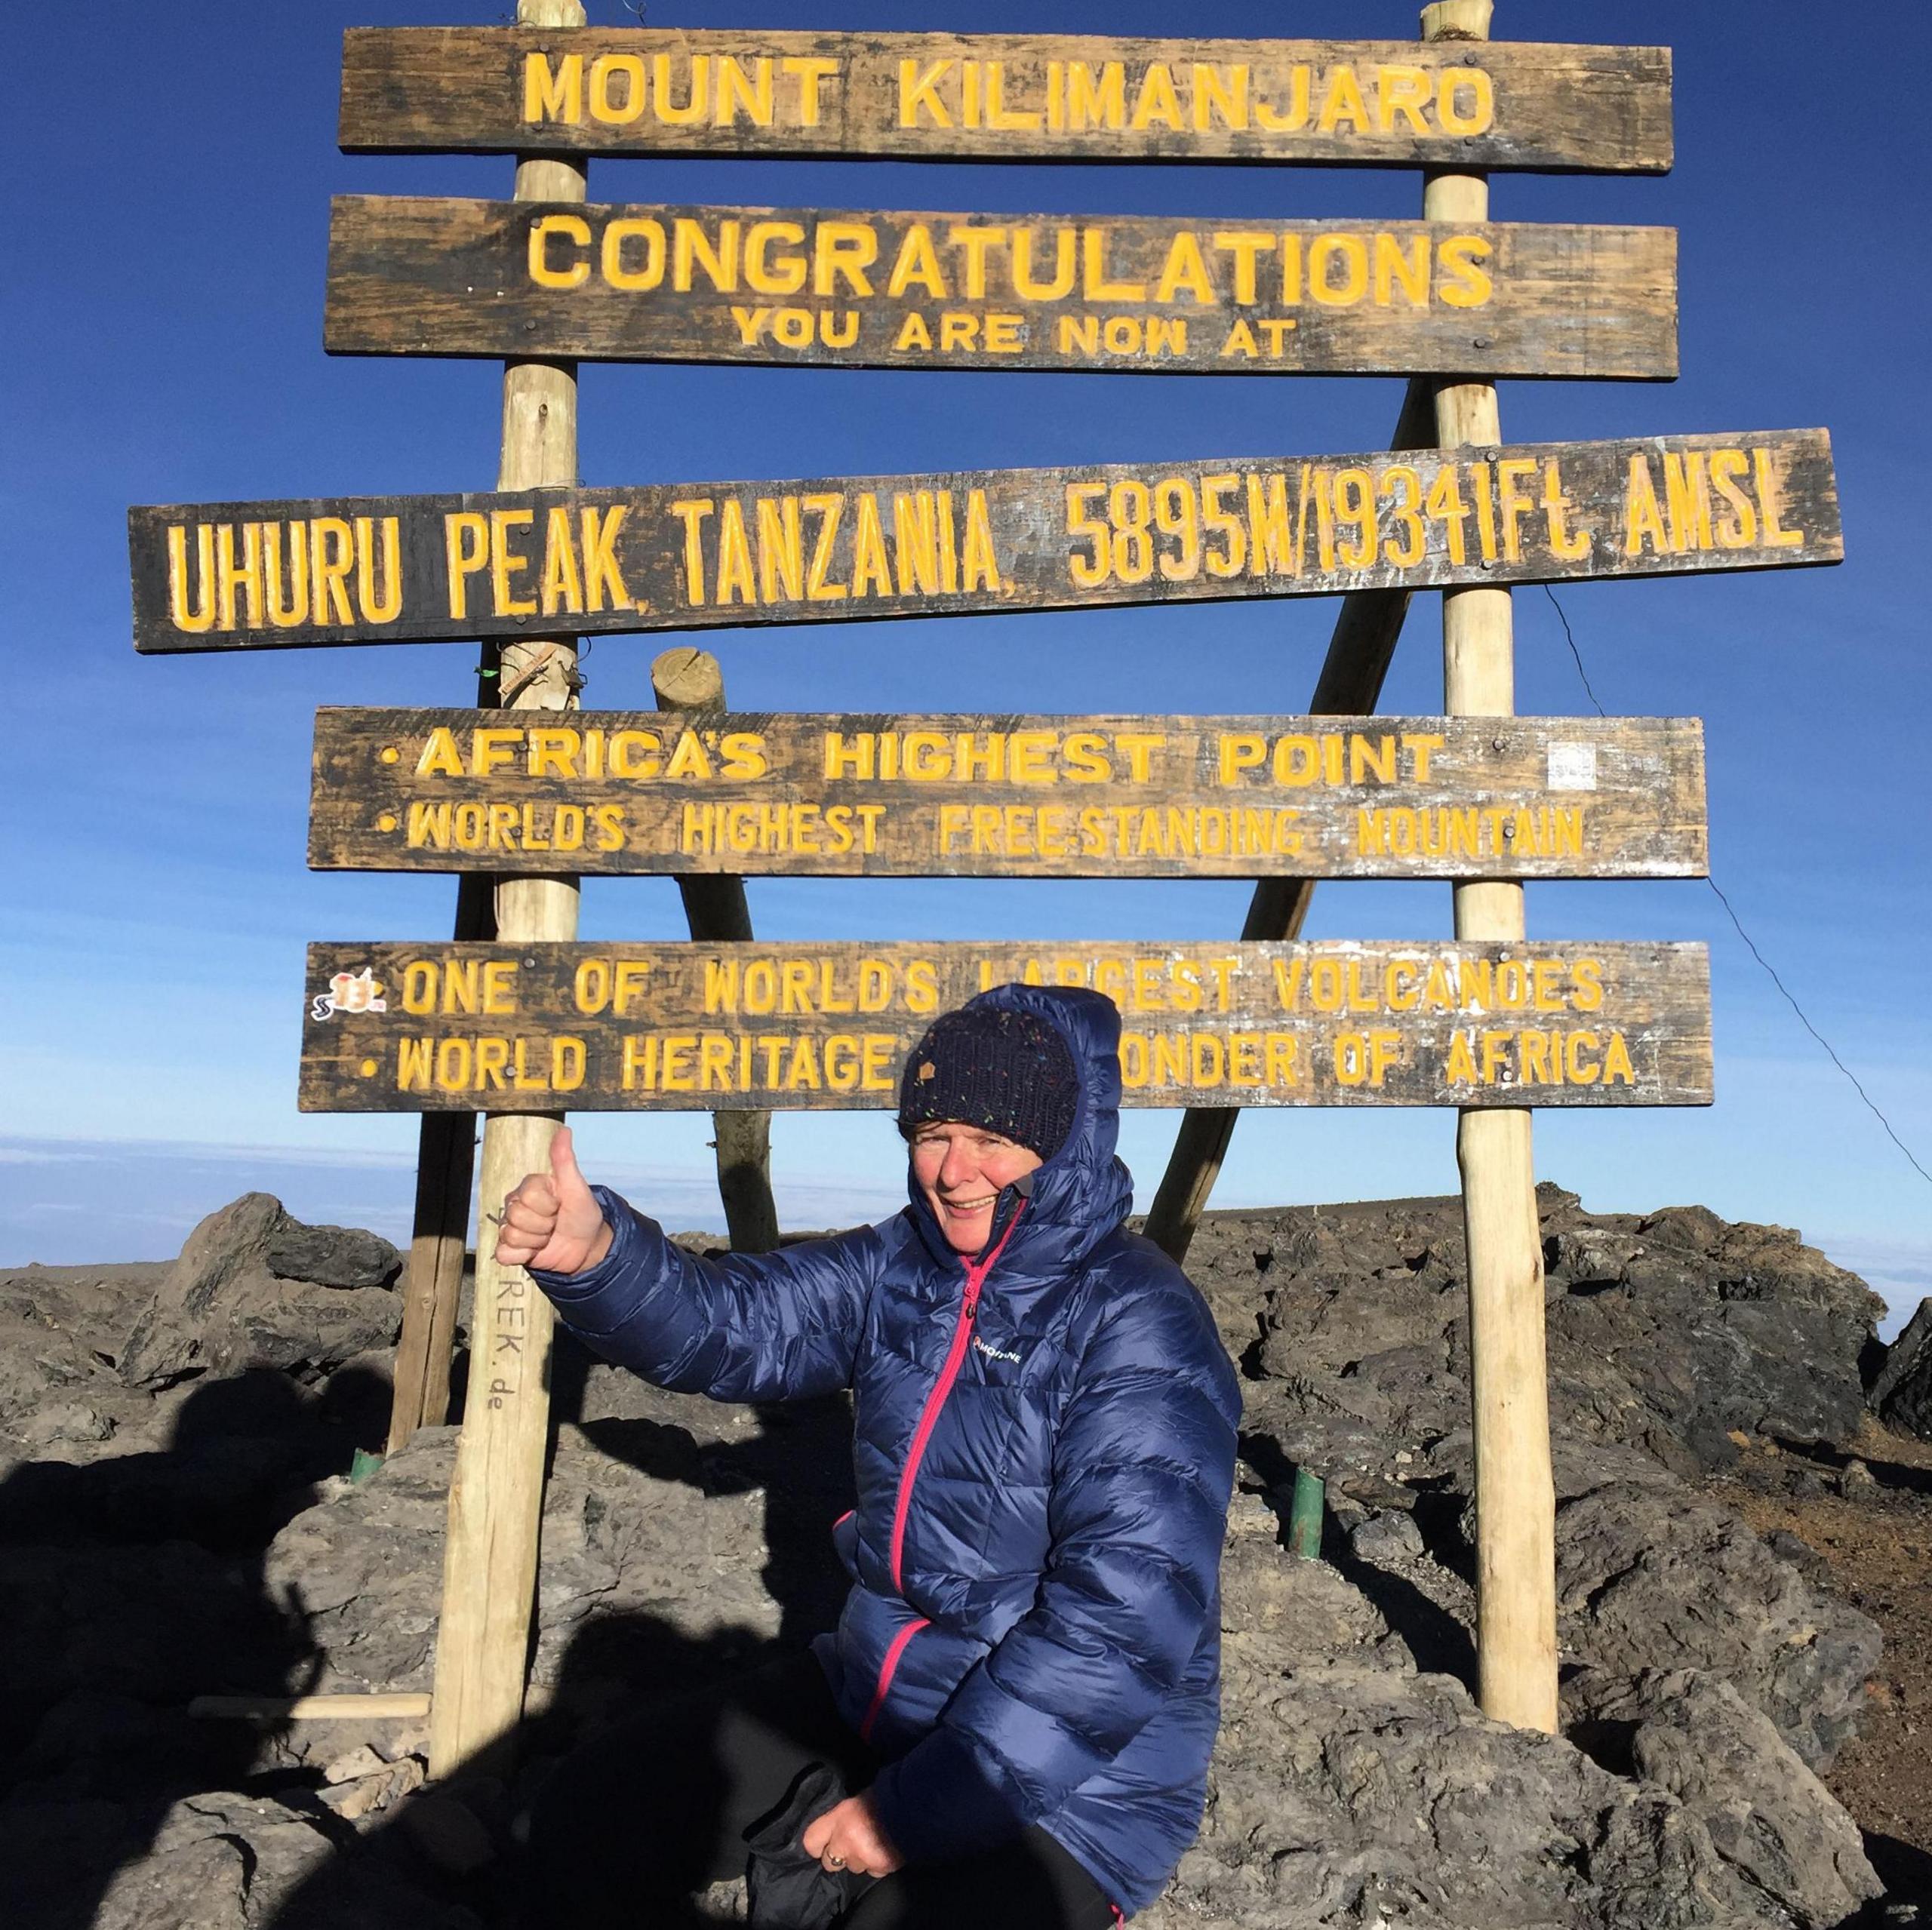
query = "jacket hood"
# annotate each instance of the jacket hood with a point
(1081, 1195)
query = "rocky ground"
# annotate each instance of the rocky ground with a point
(1745, 1574)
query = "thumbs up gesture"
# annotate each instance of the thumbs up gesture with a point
(552, 1219)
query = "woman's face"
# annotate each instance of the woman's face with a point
(960, 1170)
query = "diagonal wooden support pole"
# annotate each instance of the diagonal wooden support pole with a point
(688, 680)
(1350, 684)
(497, 1497)
(439, 1240)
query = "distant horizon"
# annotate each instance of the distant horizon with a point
(309, 1182)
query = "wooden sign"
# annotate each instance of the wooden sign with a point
(686, 556)
(1008, 797)
(1004, 97)
(1116, 294)
(683, 1027)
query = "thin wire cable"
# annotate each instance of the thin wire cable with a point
(1569, 637)
(1819, 1036)
(1750, 943)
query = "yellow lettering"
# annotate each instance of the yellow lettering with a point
(1467, 284)
(569, 227)
(611, 260)
(1098, 288)
(691, 511)
(563, 585)
(919, 93)
(615, 107)
(917, 265)
(843, 250)
(1157, 101)
(505, 563)
(1776, 536)
(553, 94)
(1184, 271)
(1096, 100)
(1643, 516)
(201, 616)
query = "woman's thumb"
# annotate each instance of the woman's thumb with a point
(569, 1182)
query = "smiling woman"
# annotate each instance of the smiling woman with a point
(962, 1170)
(988, 1097)
(1012, 1720)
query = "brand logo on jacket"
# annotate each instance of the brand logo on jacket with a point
(993, 1353)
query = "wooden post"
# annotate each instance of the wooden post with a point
(439, 1239)
(1359, 650)
(497, 1497)
(1515, 1494)
(380, 1707)
(685, 679)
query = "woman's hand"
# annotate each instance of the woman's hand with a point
(847, 1836)
(552, 1219)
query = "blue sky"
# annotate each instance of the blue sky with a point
(162, 336)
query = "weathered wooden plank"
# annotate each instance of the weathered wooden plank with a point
(1004, 97)
(691, 556)
(689, 1027)
(1119, 294)
(998, 796)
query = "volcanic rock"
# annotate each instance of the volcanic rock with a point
(53, 1321)
(1767, 1816)
(189, 1528)
(1668, 1332)
(1349, 1789)
(231, 1300)
(1903, 1392)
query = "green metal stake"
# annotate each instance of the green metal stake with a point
(1305, 1517)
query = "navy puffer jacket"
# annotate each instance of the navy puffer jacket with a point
(1045, 1447)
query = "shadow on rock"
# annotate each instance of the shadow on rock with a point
(796, 1455)
(447, 1858)
(128, 1585)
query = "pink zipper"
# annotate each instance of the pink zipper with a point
(962, 1333)
(888, 1669)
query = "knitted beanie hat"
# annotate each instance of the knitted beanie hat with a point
(984, 1065)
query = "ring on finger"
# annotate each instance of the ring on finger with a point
(834, 1862)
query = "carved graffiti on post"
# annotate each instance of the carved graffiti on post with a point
(681, 1027)
(1004, 96)
(1004, 796)
(690, 556)
(1114, 294)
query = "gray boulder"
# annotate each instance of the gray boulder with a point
(1649, 1576)
(230, 1302)
(345, 1256)
(1650, 1580)
(1350, 1789)
(60, 1327)
(1709, 1328)
(1668, 1332)
(1347, 1795)
(220, 1861)
(225, 1862)
(1767, 1816)
(1903, 1392)
(106, 1645)
(653, 1537)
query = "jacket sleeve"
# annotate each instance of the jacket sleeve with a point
(1142, 1473)
(769, 1326)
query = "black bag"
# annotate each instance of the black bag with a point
(785, 1889)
